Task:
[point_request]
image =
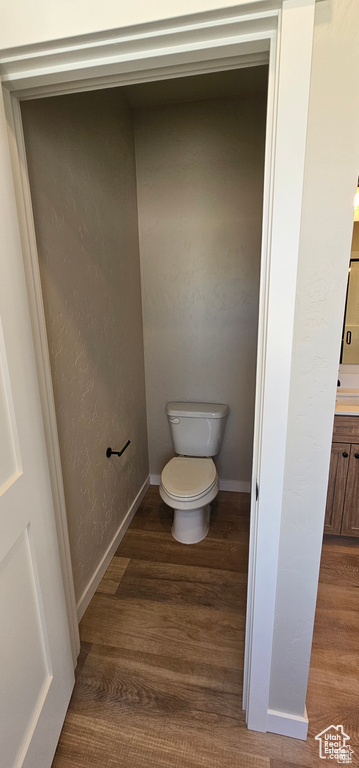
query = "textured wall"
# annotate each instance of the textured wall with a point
(199, 181)
(82, 171)
(322, 278)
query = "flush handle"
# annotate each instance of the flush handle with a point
(174, 420)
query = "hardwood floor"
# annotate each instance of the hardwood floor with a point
(159, 679)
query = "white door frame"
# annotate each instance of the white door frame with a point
(277, 31)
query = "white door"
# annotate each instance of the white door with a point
(36, 671)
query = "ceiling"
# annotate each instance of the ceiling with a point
(214, 85)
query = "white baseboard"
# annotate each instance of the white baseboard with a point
(294, 726)
(90, 590)
(238, 486)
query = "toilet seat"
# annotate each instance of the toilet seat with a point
(187, 478)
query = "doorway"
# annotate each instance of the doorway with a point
(271, 398)
(167, 182)
(195, 146)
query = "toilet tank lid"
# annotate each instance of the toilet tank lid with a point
(198, 410)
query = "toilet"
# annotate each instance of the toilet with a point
(189, 481)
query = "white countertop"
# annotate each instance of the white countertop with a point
(346, 410)
(347, 402)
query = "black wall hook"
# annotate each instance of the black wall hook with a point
(109, 451)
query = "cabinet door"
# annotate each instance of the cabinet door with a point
(338, 472)
(350, 525)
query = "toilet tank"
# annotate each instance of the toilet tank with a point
(197, 429)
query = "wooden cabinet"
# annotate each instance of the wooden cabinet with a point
(350, 524)
(338, 474)
(342, 510)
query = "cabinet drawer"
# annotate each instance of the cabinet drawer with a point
(346, 429)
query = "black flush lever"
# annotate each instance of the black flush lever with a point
(109, 451)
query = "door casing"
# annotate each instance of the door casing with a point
(279, 32)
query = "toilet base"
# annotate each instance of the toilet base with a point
(190, 526)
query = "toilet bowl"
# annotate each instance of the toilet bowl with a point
(188, 485)
(189, 482)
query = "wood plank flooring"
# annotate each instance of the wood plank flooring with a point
(159, 679)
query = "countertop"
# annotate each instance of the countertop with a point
(347, 402)
(346, 410)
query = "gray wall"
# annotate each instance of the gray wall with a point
(199, 182)
(82, 171)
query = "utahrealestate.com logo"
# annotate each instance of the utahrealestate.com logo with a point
(333, 745)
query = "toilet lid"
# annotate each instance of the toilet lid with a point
(188, 477)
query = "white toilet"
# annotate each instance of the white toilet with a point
(189, 482)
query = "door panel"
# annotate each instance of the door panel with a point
(338, 472)
(350, 526)
(30, 659)
(35, 656)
